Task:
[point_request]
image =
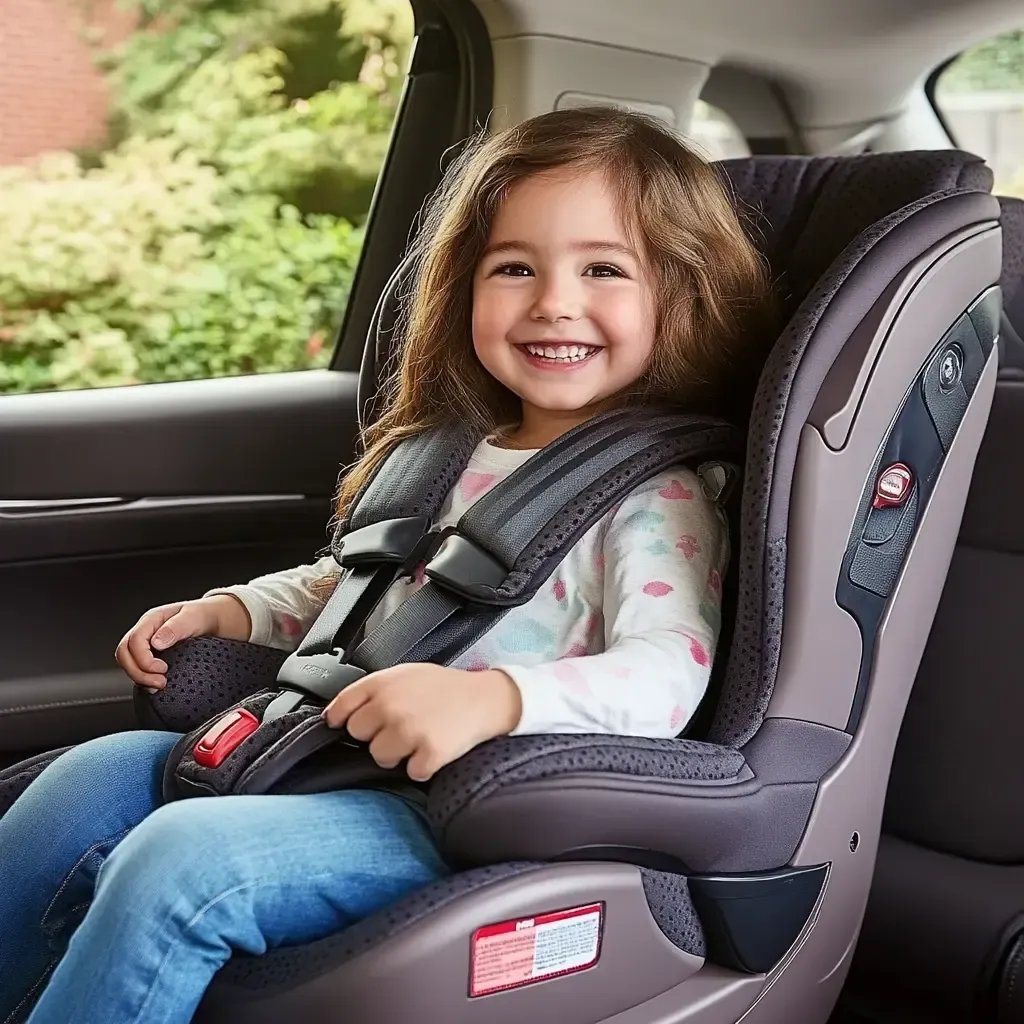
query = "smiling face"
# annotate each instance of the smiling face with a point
(563, 304)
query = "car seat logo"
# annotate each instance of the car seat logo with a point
(951, 369)
(315, 670)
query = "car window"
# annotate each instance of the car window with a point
(183, 184)
(981, 98)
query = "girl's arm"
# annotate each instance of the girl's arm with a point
(666, 550)
(282, 605)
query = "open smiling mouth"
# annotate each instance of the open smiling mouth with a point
(559, 355)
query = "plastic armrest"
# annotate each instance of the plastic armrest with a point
(681, 805)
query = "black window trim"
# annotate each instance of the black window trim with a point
(447, 97)
(930, 85)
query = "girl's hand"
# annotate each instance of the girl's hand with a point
(430, 714)
(163, 627)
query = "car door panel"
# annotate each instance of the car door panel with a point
(114, 501)
(266, 434)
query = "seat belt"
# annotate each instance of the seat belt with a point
(498, 555)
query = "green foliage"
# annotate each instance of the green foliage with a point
(993, 65)
(218, 231)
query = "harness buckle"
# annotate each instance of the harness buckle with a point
(322, 676)
(464, 567)
(223, 736)
(389, 541)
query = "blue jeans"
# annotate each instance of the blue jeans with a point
(115, 909)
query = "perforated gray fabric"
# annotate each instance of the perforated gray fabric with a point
(285, 967)
(668, 896)
(804, 211)
(15, 779)
(512, 759)
(206, 675)
(414, 492)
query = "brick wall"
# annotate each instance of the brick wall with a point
(51, 96)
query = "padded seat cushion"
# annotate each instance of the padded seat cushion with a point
(510, 760)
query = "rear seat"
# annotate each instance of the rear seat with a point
(1011, 341)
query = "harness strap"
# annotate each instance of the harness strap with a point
(383, 536)
(497, 556)
(556, 496)
(506, 519)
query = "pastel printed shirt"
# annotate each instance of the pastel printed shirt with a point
(620, 638)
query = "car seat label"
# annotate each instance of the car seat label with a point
(516, 953)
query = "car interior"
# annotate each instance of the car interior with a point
(837, 840)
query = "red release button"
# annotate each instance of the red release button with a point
(894, 486)
(223, 736)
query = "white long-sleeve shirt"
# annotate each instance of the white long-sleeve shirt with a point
(621, 637)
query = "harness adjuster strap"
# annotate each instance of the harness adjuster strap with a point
(465, 568)
(391, 541)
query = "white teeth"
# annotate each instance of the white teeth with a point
(562, 353)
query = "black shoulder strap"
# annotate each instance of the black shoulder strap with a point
(383, 534)
(503, 548)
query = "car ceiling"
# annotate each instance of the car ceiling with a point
(838, 63)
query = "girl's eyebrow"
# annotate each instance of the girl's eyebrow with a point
(513, 245)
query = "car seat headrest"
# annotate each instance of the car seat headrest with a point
(801, 212)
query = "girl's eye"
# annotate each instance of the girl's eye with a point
(512, 270)
(603, 270)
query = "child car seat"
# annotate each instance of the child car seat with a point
(713, 878)
(944, 929)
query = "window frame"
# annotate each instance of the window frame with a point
(931, 85)
(447, 96)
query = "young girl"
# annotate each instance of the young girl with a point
(581, 260)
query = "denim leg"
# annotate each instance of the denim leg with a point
(53, 840)
(200, 878)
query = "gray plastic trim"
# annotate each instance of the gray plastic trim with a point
(851, 797)
(430, 961)
(77, 443)
(827, 486)
(840, 394)
(50, 507)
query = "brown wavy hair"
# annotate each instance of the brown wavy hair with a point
(711, 285)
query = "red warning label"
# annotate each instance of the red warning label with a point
(516, 953)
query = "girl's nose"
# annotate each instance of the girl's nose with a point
(556, 300)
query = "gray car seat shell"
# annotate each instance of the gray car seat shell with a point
(945, 922)
(724, 875)
(886, 261)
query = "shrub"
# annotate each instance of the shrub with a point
(218, 232)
